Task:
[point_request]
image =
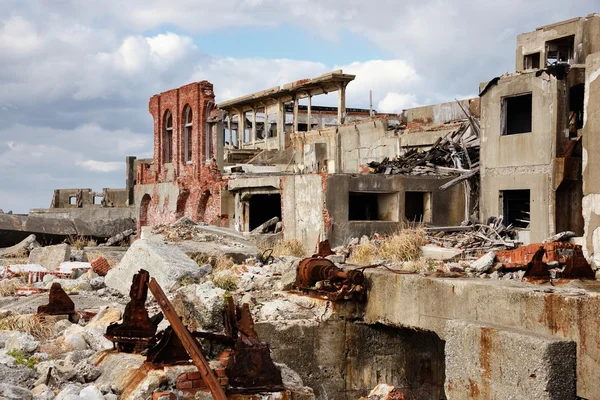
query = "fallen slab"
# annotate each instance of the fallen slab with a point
(166, 263)
(497, 362)
(50, 257)
(204, 239)
(20, 249)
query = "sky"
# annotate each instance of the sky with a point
(76, 75)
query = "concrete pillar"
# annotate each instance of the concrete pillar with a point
(295, 124)
(130, 178)
(309, 124)
(241, 131)
(253, 134)
(341, 104)
(229, 133)
(281, 124)
(220, 142)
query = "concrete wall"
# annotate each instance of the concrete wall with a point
(521, 161)
(447, 207)
(345, 360)
(591, 161)
(587, 39)
(494, 362)
(417, 302)
(302, 208)
(441, 113)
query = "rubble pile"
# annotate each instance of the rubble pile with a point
(455, 154)
(475, 239)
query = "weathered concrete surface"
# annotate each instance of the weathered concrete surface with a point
(166, 263)
(345, 360)
(213, 240)
(591, 162)
(54, 225)
(428, 303)
(20, 249)
(495, 362)
(50, 257)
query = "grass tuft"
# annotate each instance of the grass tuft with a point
(402, 246)
(292, 247)
(8, 287)
(40, 327)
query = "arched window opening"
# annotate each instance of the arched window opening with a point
(168, 137)
(187, 134)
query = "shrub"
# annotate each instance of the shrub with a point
(292, 247)
(402, 246)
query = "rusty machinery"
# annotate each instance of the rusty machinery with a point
(59, 303)
(319, 276)
(137, 331)
(250, 368)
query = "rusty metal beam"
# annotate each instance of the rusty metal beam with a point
(59, 303)
(190, 344)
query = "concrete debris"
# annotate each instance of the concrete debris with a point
(266, 226)
(561, 237)
(484, 263)
(455, 154)
(192, 238)
(385, 392)
(168, 264)
(20, 249)
(118, 238)
(50, 257)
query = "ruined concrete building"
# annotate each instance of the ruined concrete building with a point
(244, 161)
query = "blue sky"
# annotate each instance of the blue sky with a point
(76, 75)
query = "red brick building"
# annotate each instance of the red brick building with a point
(182, 179)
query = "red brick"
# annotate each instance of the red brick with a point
(100, 266)
(157, 395)
(220, 372)
(199, 383)
(223, 381)
(184, 385)
(194, 375)
(182, 377)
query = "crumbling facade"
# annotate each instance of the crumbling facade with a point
(532, 126)
(182, 179)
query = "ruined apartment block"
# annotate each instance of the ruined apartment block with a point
(304, 164)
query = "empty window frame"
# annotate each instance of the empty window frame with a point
(417, 206)
(168, 137)
(263, 207)
(72, 200)
(517, 114)
(560, 50)
(531, 61)
(516, 207)
(576, 99)
(366, 206)
(187, 134)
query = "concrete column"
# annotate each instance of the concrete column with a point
(341, 103)
(308, 113)
(241, 131)
(295, 124)
(130, 178)
(220, 143)
(229, 133)
(253, 133)
(281, 124)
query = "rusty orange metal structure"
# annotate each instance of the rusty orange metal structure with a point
(59, 303)
(187, 340)
(320, 276)
(536, 258)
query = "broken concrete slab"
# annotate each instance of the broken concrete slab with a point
(439, 253)
(201, 306)
(502, 362)
(50, 257)
(20, 249)
(205, 239)
(165, 262)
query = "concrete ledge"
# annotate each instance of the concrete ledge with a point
(427, 303)
(494, 362)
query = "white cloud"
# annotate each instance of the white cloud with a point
(18, 38)
(396, 102)
(102, 166)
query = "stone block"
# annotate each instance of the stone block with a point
(50, 257)
(495, 362)
(166, 263)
